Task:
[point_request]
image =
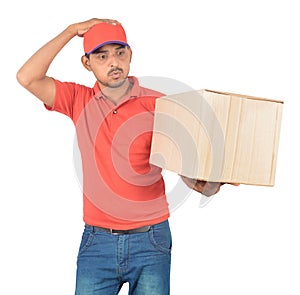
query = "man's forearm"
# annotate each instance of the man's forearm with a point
(38, 64)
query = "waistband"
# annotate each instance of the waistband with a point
(142, 229)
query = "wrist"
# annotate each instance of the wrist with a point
(72, 30)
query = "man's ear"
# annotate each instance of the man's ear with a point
(130, 54)
(86, 62)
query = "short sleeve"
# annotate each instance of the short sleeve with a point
(64, 98)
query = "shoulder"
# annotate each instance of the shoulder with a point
(150, 92)
(146, 96)
(71, 98)
(139, 90)
(72, 87)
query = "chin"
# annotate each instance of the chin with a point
(116, 84)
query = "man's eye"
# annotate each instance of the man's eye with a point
(102, 56)
(121, 52)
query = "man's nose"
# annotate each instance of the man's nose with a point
(114, 62)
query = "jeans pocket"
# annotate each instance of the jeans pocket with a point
(160, 237)
(86, 241)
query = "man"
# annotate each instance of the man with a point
(127, 236)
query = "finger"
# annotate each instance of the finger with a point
(189, 181)
(112, 21)
(194, 184)
(199, 186)
(211, 188)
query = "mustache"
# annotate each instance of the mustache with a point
(113, 70)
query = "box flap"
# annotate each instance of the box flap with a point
(243, 96)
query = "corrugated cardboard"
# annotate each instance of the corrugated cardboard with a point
(217, 136)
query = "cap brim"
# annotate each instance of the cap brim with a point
(106, 43)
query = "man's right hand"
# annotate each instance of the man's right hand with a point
(83, 27)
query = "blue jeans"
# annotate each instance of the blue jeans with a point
(106, 261)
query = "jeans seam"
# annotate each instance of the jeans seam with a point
(157, 246)
(87, 244)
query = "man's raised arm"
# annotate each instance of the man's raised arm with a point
(33, 74)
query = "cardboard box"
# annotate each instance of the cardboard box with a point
(217, 136)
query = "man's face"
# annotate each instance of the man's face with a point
(110, 64)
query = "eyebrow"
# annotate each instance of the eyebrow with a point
(105, 51)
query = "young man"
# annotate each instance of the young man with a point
(126, 236)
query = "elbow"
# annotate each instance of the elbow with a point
(22, 78)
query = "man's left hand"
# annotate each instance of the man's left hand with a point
(204, 187)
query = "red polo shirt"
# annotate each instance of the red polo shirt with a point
(121, 189)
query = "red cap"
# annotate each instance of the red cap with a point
(103, 34)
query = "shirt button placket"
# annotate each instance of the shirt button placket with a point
(115, 112)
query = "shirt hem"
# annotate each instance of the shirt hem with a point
(127, 226)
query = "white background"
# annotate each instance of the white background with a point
(246, 240)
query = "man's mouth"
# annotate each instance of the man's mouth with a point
(115, 73)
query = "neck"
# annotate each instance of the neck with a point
(116, 93)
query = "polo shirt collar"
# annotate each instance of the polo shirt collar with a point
(134, 92)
